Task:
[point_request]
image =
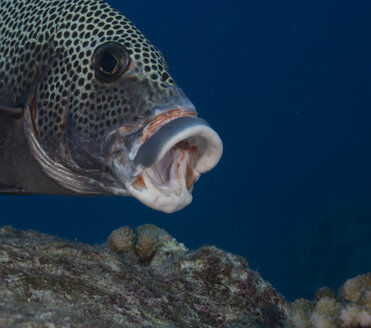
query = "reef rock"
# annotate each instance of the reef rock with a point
(139, 278)
(350, 309)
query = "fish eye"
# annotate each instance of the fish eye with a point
(110, 60)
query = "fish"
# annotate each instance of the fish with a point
(88, 107)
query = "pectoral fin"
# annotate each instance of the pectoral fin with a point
(10, 119)
(10, 122)
(7, 99)
(19, 173)
(11, 190)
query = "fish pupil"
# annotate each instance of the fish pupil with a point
(108, 63)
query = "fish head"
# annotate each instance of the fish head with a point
(106, 117)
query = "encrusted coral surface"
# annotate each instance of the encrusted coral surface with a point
(350, 309)
(144, 244)
(149, 280)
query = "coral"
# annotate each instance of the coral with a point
(146, 244)
(149, 280)
(358, 290)
(351, 308)
(122, 240)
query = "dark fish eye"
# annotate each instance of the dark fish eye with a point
(108, 64)
(110, 60)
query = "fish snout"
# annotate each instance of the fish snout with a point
(166, 158)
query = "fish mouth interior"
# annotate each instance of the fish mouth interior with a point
(178, 163)
(171, 161)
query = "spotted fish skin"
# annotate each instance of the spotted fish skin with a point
(54, 41)
(90, 82)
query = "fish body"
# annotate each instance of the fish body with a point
(88, 107)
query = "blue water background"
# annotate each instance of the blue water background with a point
(287, 85)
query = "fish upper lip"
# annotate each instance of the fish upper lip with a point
(161, 119)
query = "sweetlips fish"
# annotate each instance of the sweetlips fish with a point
(88, 107)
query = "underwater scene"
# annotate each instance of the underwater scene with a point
(287, 87)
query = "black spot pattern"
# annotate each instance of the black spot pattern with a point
(49, 44)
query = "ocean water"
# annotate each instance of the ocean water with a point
(287, 85)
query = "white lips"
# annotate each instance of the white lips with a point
(178, 155)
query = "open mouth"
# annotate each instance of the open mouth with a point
(171, 160)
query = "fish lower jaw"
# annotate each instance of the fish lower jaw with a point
(167, 185)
